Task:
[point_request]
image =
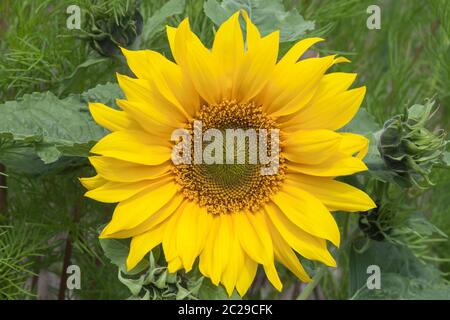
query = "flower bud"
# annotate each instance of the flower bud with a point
(410, 149)
(110, 28)
(157, 283)
(376, 223)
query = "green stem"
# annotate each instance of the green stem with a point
(304, 295)
(3, 190)
(346, 226)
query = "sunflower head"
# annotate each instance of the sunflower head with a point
(257, 136)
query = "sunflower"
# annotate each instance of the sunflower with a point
(230, 216)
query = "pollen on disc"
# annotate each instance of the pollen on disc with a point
(228, 188)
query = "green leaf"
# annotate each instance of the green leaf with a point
(268, 15)
(25, 160)
(446, 158)
(86, 64)
(363, 123)
(399, 287)
(134, 285)
(422, 226)
(116, 250)
(403, 276)
(48, 153)
(52, 127)
(104, 93)
(216, 12)
(209, 291)
(154, 24)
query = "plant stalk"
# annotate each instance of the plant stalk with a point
(304, 295)
(3, 190)
(68, 253)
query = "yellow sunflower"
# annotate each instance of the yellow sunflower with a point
(231, 216)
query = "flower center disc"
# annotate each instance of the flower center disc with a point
(228, 188)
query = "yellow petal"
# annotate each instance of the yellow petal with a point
(152, 221)
(204, 223)
(333, 83)
(307, 245)
(342, 60)
(285, 255)
(198, 62)
(246, 276)
(112, 192)
(332, 113)
(272, 275)
(134, 146)
(330, 85)
(206, 256)
(193, 227)
(171, 34)
(311, 146)
(134, 211)
(141, 62)
(141, 244)
(93, 182)
(174, 265)
(235, 265)
(147, 120)
(221, 247)
(165, 76)
(333, 194)
(290, 90)
(297, 50)
(258, 221)
(228, 50)
(254, 236)
(308, 213)
(111, 119)
(253, 36)
(170, 236)
(151, 101)
(354, 144)
(123, 171)
(331, 168)
(256, 68)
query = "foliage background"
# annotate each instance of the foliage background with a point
(45, 223)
